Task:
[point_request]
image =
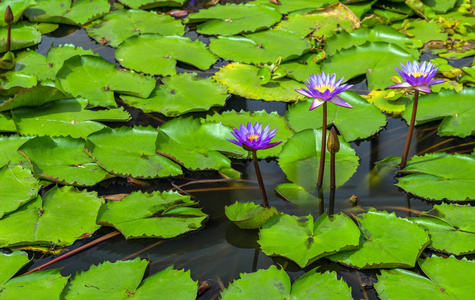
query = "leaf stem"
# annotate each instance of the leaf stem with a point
(259, 179)
(411, 130)
(323, 147)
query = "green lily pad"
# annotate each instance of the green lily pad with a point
(146, 4)
(375, 60)
(65, 117)
(261, 47)
(297, 6)
(69, 12)
(235, 119)
(62, 160)
(17, 7)
(96, 79)
(180, 94)
(440, 176)
(57, 55)
(310, 241)
(426, 31)
(297, 195)
(123, 280)
(249, 215)
(158, 55)
(458, 117)
(11, 264)
(459, 216)
(323, 23)
(312, 285)
(8, 150)
(379, 33)
(129, 151)
(231, 19)
(61, 217)
(197, 145)
(22, 35)
(32, 63)
(47, 284)
(243, 80)
(389, 101)
(397, 244)
(158, 215)
(121, 24)
(6, 123)
(34, 96)
(300, 159)
(300, 68)
(17, 187)
(359, 122)
(17, 80)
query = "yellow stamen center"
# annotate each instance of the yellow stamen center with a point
(252, 137)
(418, 74)
(323, 87)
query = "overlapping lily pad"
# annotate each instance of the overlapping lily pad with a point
(8, 150)
(11, 264)
(197, 145)
(32, 63)
(181, 94)
(158, 55)
(65, 117)
(96, 79)
(310, 241)
(300, 158)
(6, 123)
(62, 160)
(123, 280)
(34, 96)
(312, 285)
(121, 24)
(300, 68)
(248, 215)
(61, 217)
(129, 151)
(47, 284)
(243, 80)
(458, 117)
(389, 101)
(57, 55)
(297, 6)
(17, 7)
(146, 4)
(142, 215)
(375, 60)
(297, 195)
(78, 12)
(359, 122)
(231, 19)
(24, 35)
(17, 187)
(440, 176)
(235, 119)
(261, 47)
(425, 31)
(397, 244)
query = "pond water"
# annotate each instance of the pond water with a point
(220, 251)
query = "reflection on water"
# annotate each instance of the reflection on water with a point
(220, 251)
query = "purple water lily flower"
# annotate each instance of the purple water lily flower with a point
(253, 138)
(322, 87)
(418, 76)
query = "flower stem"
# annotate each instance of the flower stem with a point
(259, 179)
(411, 130)
(323, 148)
(332, 170)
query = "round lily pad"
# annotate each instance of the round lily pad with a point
(249, 215)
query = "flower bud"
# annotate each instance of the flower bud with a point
(333, 144)
(8, 15)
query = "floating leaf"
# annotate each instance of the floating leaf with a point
(360, 122)
(122, 280)
(23, 35)
(249, 215)
(78, 12)
(181, 94)
(235, 119)
(459, 216)
(314, 285)
(297, 195)
(389, 101)
(11, 264)
(129, 151)
(146, 4)
(34, 96)
(396, 244)
(17, 187)
(8, 150)
(61, 217)
(261, 47)
(440, 176)
(121, 24)
(47, 284)
(65, 117)
(458, 117)
(197, 145)
(6, 123)
(57, 55)
(300, 68)
(426, 31)
(300, 158)
(243, 80)
(230, 19)
(17, 7)
(96, 79)
(297, 6)
(375, 60)
(32, 63)
(158, 55)
(162, 215)
(310, 241)
(62, 160)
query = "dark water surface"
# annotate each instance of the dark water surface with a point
(220, 251)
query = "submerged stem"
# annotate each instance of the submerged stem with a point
(323, 148)
(259, 179)
(411, 130)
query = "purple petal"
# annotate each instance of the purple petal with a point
(270, 145)
(340, 102)
(399, 86)
(435, 81)
(304, 92)
(235, 142)
(423, 88)
(316, 103)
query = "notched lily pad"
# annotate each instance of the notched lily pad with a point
(249, 215)
(34, 96)
(46, 284)
(146, 4)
